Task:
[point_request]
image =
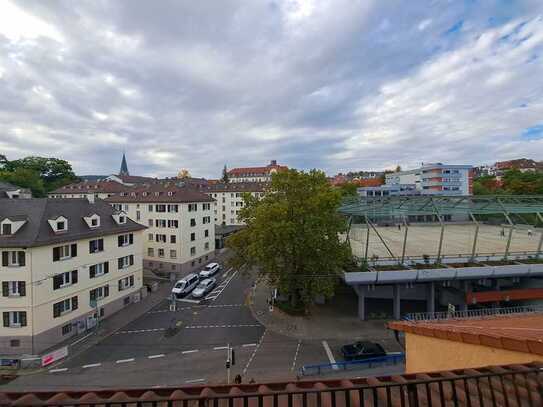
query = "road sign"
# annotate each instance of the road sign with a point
(52, 357)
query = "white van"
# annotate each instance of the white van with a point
(185, 285)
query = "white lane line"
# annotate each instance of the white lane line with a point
(296, 355)
(91, 365)
(124, 360)
(330, 355)
(254, 353)
(220, 347)
(156, 356)
(247, 345)
(58, 370)
(187, 300)
(222, 326)
(82, 339)
(223, 286)
(139, 331)
(189, 351)
(227, 271)
(195, 381)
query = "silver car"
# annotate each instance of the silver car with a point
(204, 287)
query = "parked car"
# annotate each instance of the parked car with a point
(185, 285)
(210, 270)
(204, 287)
(362, 350)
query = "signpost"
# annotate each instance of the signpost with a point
(52, 357)
(230, 361)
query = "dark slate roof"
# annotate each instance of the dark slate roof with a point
(91, 186)
(37, 231)
(166, 193)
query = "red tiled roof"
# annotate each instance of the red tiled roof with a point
(256, 170)
(521, 333)
(160, 193)
(91, 186)
(494, 385)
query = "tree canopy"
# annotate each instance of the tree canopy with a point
(513, 182)
(40, 174)
(292, 236)
(225, 178)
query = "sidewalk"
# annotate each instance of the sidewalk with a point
(335, 320)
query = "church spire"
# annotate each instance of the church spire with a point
(124, 167)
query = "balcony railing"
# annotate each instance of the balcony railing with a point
(476, 313)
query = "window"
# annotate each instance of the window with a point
(206, 206)
(13, 258)
(122, 219)
(15, 343)
(193, 222)
(66, 329)
(64, 279)
(126, 300)
(150, 207)
(151, 237)
(150, 252)
(160, 238)
(160, 252)
(13, 288)
(232, 220)
(65, 306)
(206, 245)
(173, 208)
(99, 293)
(160, 223)
(173, 238)
(125, 240)
(6, 229)
(206, 233)
(150, 222)
(192, 237)
(207, 219)
(193, 207)
(98, 270)
(125, 283)
(14, 319)
(138, 215)
(193, 251)
(173, 254)
(61, 225)
(64, 252)
(94, 222)
(173, 224)
(96, 246)
(160, 208)
(124, 262)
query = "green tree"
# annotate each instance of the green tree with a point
(292, 236)
(25, 178)
(348, 189)
(225, 178)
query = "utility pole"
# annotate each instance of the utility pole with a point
(230, 361)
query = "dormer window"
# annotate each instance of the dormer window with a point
(61, 226)
(6, 229)
(170, 193)
(94, 222)
(144, 194)
(122, 219)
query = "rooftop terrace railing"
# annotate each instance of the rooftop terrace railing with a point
(476, 313)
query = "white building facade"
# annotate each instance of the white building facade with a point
(255, 174)
(229, 200)
(65, 265)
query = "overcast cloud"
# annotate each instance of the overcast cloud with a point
(338, 85)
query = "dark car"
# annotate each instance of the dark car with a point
(362, 350)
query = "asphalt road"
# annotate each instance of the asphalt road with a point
(146, 353)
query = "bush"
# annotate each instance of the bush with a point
(289, 309)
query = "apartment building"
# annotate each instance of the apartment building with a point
(181, 234)
(89, 189)
(65, 264)
(255, 174)
(229, 199)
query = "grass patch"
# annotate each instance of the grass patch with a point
(467, 264)
(500, 262)
(390, 268)
(530, 261)
(422, 266)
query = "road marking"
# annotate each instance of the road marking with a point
(227, 271)
(223, 326)
(254, 353)
(58, 370)
(82, 339)
(189, 351)
(187, 300)
(156, 356)
(247, 345)
(330, 355)
(124, 360)
(195, 381)
(139, 331)
(296, 355)
(91, 365)
(222, 287)
(220, 347)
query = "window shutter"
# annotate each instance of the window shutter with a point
(120, 263)
(106, 267)
(120, 240)
(5, 288)
(6, 319)
(56, 253)
(57, 281)
(56, 310)
(74, 276)
(131, 259)
(131, 280)
(22, 318)
(5, 258)
(101, 244)
(22, 258)
(106, 291)
(131, 238)
(91, 248)
(22, 288)
(74, 303)
(92, 271)
(74, 250)
(119, 284)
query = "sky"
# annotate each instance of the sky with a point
(337, 85)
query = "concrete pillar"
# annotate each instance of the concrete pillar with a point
(361, 302)
(465, 288)
(431, 297)
(397, 301)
